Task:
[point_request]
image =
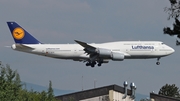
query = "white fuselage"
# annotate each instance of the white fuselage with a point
(130, 49)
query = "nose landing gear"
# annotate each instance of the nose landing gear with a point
(158, 63)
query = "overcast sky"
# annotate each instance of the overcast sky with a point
(92, 21)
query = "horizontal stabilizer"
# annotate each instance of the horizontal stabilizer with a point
(21, 46)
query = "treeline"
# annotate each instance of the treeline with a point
(170, 90)
(12, 89)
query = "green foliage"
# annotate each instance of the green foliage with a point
(50, 92)
(11, 88)
(174, 12)
(10, 84)
(169, 90)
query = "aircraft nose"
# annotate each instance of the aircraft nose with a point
(172, 50)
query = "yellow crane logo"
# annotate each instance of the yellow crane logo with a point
(18, 33)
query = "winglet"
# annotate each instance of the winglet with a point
(20, 35)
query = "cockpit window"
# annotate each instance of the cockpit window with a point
(162, 43)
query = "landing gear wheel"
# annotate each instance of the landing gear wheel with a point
(92, 65)
(87, 64)
(157, 63)
(99, 64)
(94, 62)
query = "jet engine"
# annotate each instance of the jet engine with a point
(108, 53)
(104, 52)
(117, 56)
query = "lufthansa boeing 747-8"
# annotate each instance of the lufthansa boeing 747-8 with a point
(92, 54)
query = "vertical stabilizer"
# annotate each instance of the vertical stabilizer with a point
(20, 35)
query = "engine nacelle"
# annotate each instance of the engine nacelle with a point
(117, 56)
(109, 54)
(104, 52)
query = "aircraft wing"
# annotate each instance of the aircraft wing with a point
(87, 48)
(85, 45)
(100, 54)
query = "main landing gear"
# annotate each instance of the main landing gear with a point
(99, 64)
(158, 63)
(92, 64)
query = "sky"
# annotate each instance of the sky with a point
(63, 21)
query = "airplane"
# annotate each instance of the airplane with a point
(93, 53)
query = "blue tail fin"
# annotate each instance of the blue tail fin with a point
(20, 35)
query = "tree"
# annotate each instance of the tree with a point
(11, 88)
(174, 12)
(10, 84)
(169, 90)
(50, 92)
